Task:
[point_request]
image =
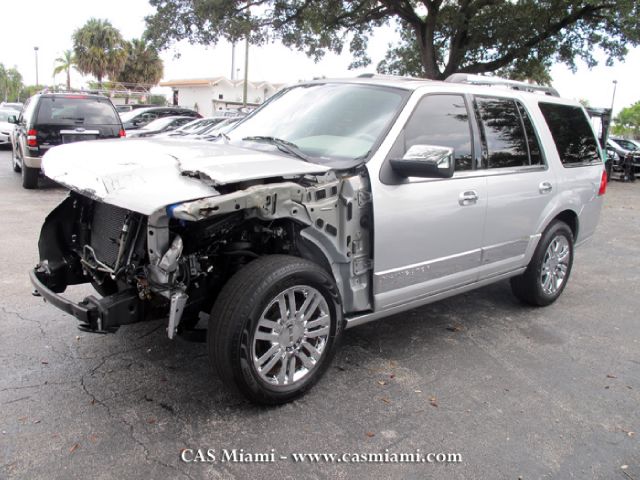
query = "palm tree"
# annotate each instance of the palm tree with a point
(99, 49)
(143, 68)
(64, 64)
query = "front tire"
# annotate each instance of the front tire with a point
(548, 272)
(14, 161)
(274, 328)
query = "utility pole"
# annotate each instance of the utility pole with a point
(246, 72)
(35, 49)
(233, 59)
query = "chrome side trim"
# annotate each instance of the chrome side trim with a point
(428, 298)
(502, 251)
(405, 276)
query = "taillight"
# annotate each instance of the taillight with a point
(122, 133)
(603, 183)
(32, 138)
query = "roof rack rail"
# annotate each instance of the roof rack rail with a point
(387, 77)
(504, 82)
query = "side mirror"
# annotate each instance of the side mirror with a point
(13, 119)
(427, 161)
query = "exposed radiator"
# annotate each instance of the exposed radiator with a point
(106, 226)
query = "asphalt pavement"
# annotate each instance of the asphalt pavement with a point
(518, 392)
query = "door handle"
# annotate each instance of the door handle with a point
(545, 187)
(469, 197)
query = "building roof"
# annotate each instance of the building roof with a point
(212, 81)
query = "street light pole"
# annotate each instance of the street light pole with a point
(35, 49)
(613, 98)
(246, 72)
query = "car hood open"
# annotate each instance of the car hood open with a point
(145, 175)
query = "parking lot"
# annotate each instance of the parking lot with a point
(518, 392)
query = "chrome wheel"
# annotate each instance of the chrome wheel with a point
(555, 265)
(291, 335)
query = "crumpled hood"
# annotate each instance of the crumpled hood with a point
(145, 175)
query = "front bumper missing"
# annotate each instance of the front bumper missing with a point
(96, 315)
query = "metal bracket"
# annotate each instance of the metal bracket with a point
(178, 301)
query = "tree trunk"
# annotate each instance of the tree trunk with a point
(68, 79)
(425, 34)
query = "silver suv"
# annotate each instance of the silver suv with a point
(334, 204)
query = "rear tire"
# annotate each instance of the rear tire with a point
(548, 272)
(29, 177)
(274, 328)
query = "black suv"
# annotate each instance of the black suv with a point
(140, 117)
(50, 119)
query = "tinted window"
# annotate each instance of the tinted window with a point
(504, 133)
(76, 111)
(442, 120)
(626, 144)
(535, 155)
(571, 133)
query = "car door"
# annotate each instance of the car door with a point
(520, 186)
(20, 132)
(428, 231)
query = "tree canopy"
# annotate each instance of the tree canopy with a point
(627, 122)
(517, 38)
(143, 66)
(10, 84)
(99, 49)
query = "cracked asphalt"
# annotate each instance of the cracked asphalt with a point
(518, 392)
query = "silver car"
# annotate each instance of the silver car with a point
(334, 204)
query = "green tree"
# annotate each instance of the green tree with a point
(99, 49)
(10, 84)
(518, 38)
(64, 64)
(143, 67)
(627, 122)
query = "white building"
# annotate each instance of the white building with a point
(210, 95)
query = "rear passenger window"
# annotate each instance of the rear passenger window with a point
(572, 134)
(442, 120)
(532, 140)
(504, 132)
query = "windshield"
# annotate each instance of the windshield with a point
(5, 114)
(126, 116)
(76, 111)
(159, 124)
(325, 121)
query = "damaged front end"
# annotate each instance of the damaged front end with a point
(174, 261)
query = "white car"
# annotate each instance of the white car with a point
(6, 128)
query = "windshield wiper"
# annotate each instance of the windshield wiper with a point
(283, 145)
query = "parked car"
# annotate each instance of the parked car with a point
(132, 106)
(380, 195)
(6, 128)
(625, 157)
(140, 117)
(51, 119)
(197, 126)
(12, 106)
(160, 125)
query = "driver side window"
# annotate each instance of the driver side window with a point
(442, 120)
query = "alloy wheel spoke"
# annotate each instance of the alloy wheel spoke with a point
(318, 332)
(274, 350)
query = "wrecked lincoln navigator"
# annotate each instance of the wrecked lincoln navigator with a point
(335, 203)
